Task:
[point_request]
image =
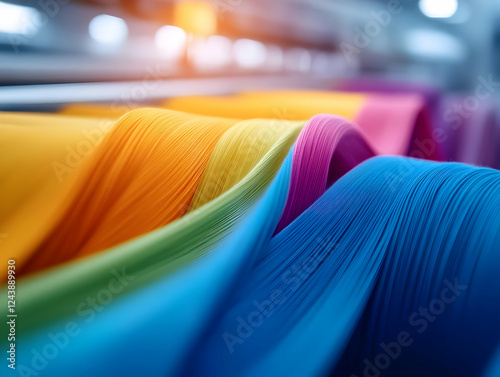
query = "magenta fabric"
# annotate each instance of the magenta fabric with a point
(327, 148)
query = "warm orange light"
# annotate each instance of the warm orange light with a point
(196, 17)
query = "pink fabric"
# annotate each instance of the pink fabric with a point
(399, 125)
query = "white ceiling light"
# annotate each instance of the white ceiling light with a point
(438, 8)
(107, 29)
(171, 40)
(249, 53)
(18, 19)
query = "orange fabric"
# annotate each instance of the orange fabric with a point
(290, 105)
(142, 176)
(94, 110)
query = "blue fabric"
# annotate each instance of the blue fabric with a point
(150, 331)
(393, 272)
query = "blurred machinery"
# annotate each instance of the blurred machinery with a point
(446, 42)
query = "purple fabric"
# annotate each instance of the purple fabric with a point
(471, 130)
(327, 148)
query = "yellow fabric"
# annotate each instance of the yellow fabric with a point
(93, 110)
(294, 105)
(273, 105)
(238, 152)
(40, 155)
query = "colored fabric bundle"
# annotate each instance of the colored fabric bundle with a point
(164, 250)
(431, 95)
(142, 176)
(326, 149)
(272, 242)
(352, 258)
(393, 124)
(321, 290)
(41, 154)
(472, 132)
(95, 110)
(175, 322)
(466, 126)
(239, 150)
(275, 104)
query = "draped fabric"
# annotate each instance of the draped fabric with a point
(337, 146)
(393, 124)
(265, 237)
(41, 155)
(142, 176)
(472, 136)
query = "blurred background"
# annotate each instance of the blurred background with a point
(100, 49)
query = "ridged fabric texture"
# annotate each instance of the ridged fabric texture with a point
(261, 234)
